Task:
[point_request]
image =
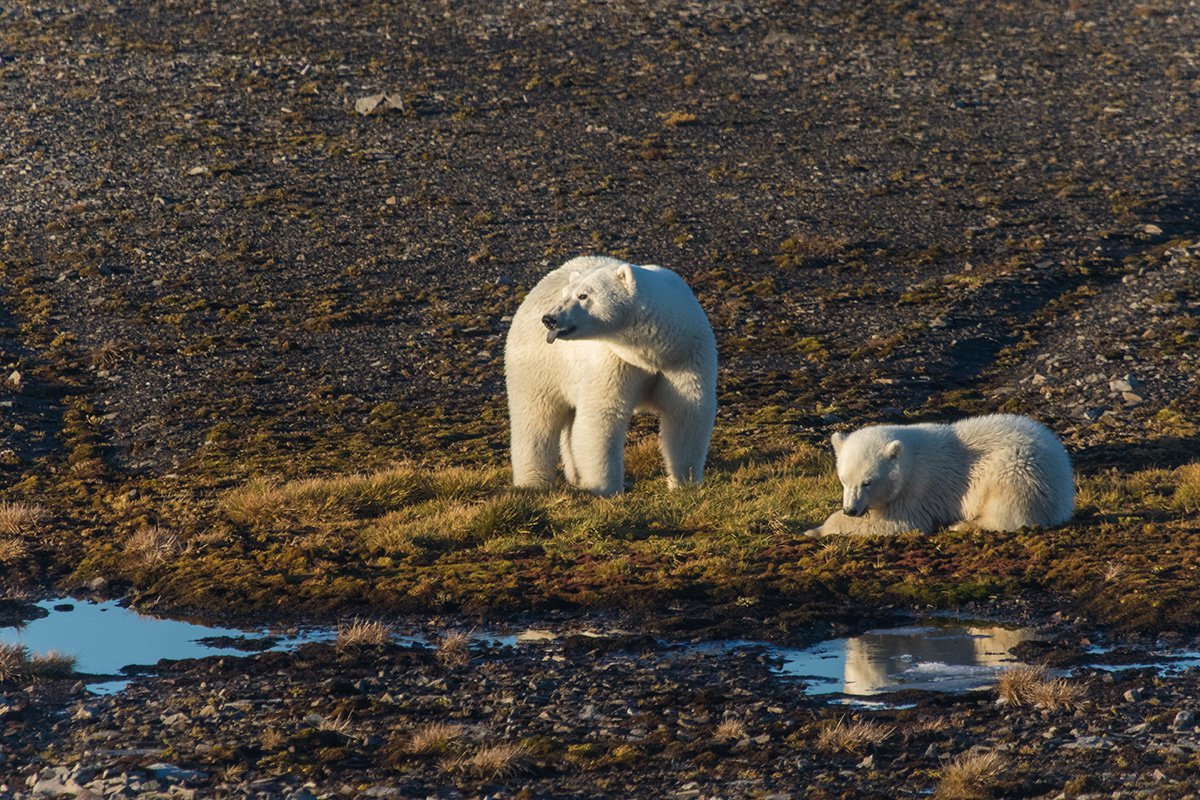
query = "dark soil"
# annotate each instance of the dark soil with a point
(212, 267)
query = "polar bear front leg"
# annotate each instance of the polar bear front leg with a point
(598, 449)
(870, 524)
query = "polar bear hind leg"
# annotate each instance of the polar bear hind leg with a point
(1011, 493)
(684, 430)
(535, 446)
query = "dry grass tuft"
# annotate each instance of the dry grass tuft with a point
(927, 725)
(18, 518)
(970, 777)
(730, 729)
(17, 665)
(454, 648)
(339, 724)
(435, 738)
(14, 661)
(363, 633)
(108, 354)
(273, 739)
(1015, 684)
(800, 249)
(52, 665)
(1058, 694)
(152, 545)
(852, 737)
(1031, 686)
(496, 761)
(13, 549)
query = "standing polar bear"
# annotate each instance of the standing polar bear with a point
(998, 472)
(594, 341)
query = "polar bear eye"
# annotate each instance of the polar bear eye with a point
(583, 296)
(865, 484)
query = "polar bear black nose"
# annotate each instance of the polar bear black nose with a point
(851, 512)
(550, 321)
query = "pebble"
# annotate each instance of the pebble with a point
(1184, 719)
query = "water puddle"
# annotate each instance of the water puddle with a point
(108, 639)
(938, 654)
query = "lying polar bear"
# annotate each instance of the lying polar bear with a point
(998, 472)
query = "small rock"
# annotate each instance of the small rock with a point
(198, 171)
(931, 752)
(1151, 229)
(378, 104)
(1184, 719)
(1125, 384)
(1132, 398)
(867, 763)
(1133, 695)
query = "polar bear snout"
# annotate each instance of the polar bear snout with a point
(851, 511)
(550, 321)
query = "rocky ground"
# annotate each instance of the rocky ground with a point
(213, 267)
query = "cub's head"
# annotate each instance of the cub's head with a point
(595, 303)
(871, 464)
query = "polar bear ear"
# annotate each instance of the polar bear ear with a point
(574, 275)
(625, 273)
(893, 449)
(838, 439)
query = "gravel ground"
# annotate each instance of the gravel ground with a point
(886, 208)
(618, 716)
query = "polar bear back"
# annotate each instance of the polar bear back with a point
(1020, 473)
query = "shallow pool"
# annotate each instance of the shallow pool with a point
(106, 638)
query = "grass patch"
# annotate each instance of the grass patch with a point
(410, 538)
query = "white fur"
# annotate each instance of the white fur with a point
(998, 472)
(639, 341)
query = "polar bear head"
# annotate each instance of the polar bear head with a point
(871, 464)
(596, 302)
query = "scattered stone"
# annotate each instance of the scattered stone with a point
(378, 104)
(1184, 720)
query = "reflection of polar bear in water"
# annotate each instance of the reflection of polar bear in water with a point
(873, 660)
